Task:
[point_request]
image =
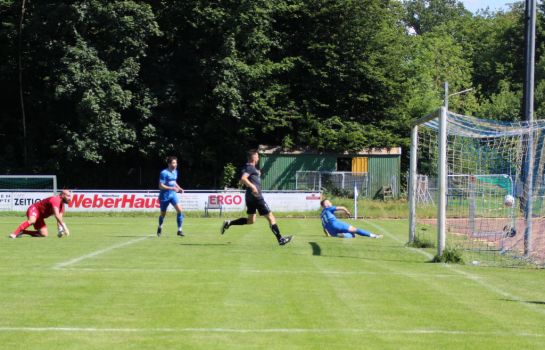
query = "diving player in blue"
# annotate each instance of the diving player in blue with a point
(336, 228)
(168, 194)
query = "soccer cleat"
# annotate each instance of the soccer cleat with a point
(180, 233)
(225, 226)
(13, 236)
(285, 240)
(378, 236)
(159, 231)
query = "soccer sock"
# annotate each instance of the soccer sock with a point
(161, 219)
(361, 232)
(276, 231)
(239, 221)
(180, 220)
(31, 233)
(21, 228)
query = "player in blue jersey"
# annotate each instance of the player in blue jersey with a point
(255, 202)
(336, 228)
(168, 194)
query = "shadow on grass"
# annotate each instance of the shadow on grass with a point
(133, 236)
(536, 302)
(206, 244)
(316, 250)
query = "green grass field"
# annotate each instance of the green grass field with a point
(113, 285)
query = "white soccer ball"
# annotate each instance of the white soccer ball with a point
(60, 232)
(63, 231)
(508, 200)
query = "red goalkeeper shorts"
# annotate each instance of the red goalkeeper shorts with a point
(33, 211)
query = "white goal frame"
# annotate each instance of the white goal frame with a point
(446, 144)
(442, 178)
(52, 177)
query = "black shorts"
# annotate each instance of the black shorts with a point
(254, 204)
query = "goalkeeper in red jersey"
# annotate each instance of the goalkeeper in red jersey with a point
(39, 211)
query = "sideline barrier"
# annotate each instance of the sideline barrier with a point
(134, 200)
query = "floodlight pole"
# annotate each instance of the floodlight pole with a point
(530, 23)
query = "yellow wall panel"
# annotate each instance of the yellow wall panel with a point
(360, 165)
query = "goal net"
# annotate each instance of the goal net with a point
(24, 183)
(462, 169)
(17, 190)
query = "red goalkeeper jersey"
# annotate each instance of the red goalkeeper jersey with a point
(46, 205)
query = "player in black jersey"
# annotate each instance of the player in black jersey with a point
(254, 200)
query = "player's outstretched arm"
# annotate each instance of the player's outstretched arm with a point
(343, 209)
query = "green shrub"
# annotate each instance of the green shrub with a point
(421, 242)
(450, 256)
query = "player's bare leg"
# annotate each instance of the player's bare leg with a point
(43, 232)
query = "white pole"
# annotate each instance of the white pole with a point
(412, 183)
(446, 95)
(442, 205)
(355, 201)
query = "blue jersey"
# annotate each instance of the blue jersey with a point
(167, 178)
(328, 216)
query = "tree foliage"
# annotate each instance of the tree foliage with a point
(117, 85)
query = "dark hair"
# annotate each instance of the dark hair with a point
(322, 202)
(250, 153)
(170, 159)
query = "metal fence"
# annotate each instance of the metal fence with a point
(340, 183)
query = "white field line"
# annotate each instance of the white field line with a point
(98, 252)
(475, 278)
(270, 330)
(255, 271)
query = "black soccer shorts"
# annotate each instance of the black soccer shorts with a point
(254, 204)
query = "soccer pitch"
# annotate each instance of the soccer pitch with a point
(113, 285)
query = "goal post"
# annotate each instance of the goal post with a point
(440, 116)
(461, 168)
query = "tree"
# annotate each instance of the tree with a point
(423, 16)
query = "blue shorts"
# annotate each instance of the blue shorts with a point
(338, 228)
(171, 198)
